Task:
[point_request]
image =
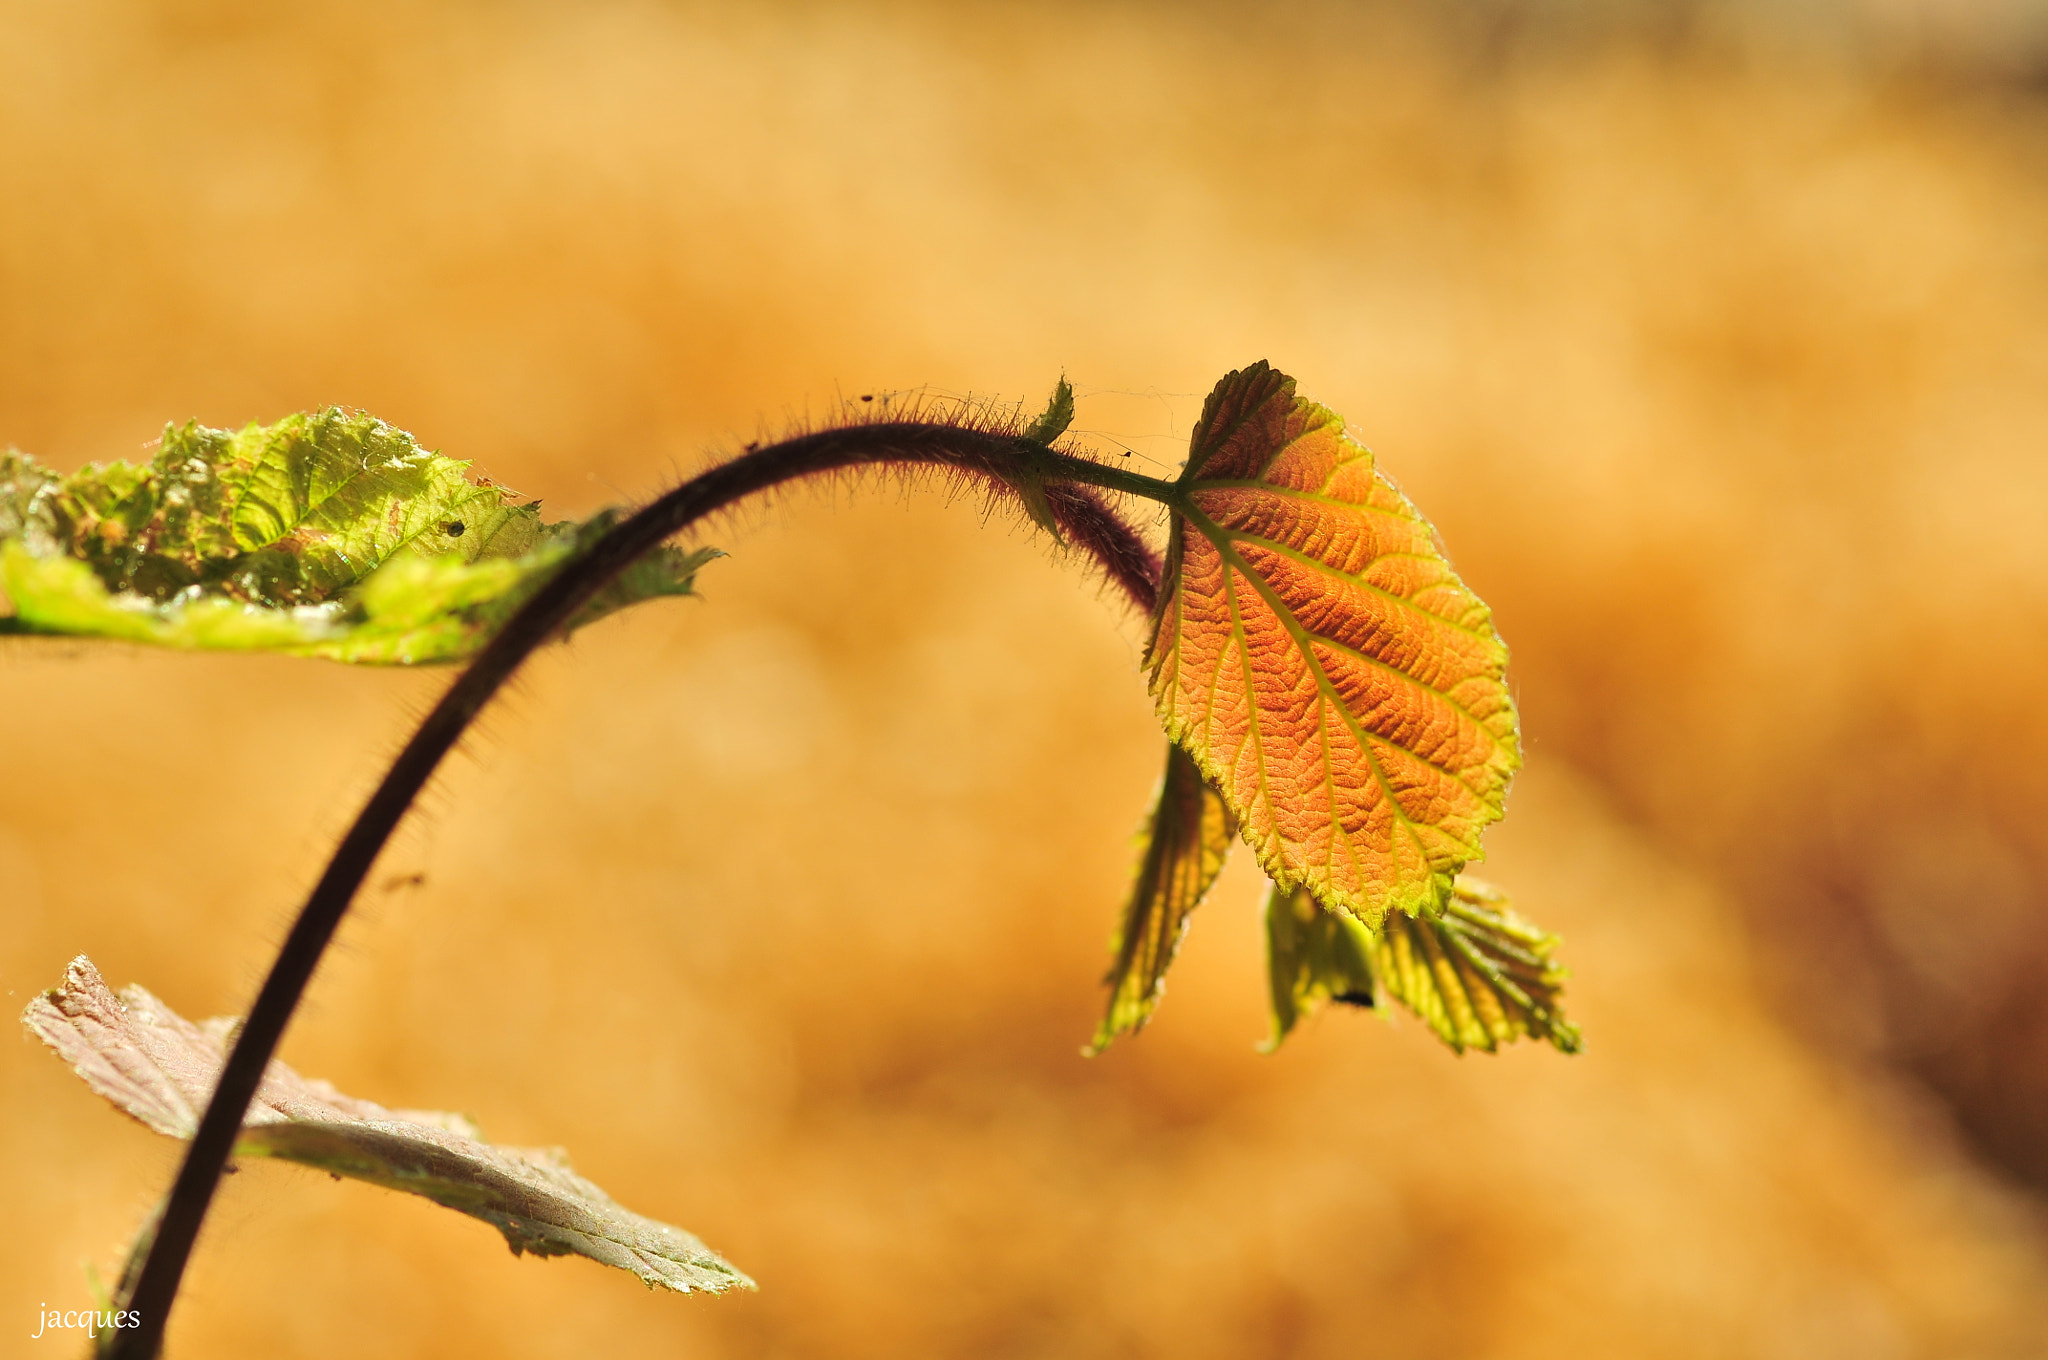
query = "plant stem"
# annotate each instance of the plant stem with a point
(991, 455)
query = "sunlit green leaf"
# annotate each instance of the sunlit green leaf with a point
(1312, 957)
(1185, 843)
(327, 534)
(1478, 975)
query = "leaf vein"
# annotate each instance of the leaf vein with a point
(1301, 634)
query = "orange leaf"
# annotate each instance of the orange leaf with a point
(1320, 660)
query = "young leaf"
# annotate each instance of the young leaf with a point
(1321, 661)
(1477, 975)
(1185, 845)
(160, 1068)
(328, 534)
(1312, 956)
(1058, 414)
(1031, 489)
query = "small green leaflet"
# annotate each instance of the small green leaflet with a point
(1312, 957)
(1186, 842)
(1057, 416)
(1050, 425)
(327, 534)
(1478, 975)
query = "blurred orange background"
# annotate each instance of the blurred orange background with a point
(1713, 337)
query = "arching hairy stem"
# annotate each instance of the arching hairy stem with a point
(1067, 485)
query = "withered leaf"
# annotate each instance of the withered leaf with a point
(160, 1068)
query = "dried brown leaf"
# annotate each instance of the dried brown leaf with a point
(160, 1068)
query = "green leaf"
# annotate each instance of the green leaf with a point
(1029, 484)
(1186, 842)
(160, 1068)
(1478, 975)
(328, 534)
(1312, 957)
(1057, 416)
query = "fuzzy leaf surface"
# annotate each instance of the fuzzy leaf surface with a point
(1478, 975)
(327, 534)
(1186, 842)
(160, 1068)
(1322, 662)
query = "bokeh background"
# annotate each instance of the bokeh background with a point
(1713, 336)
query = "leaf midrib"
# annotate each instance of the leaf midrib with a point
(1212, 532)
